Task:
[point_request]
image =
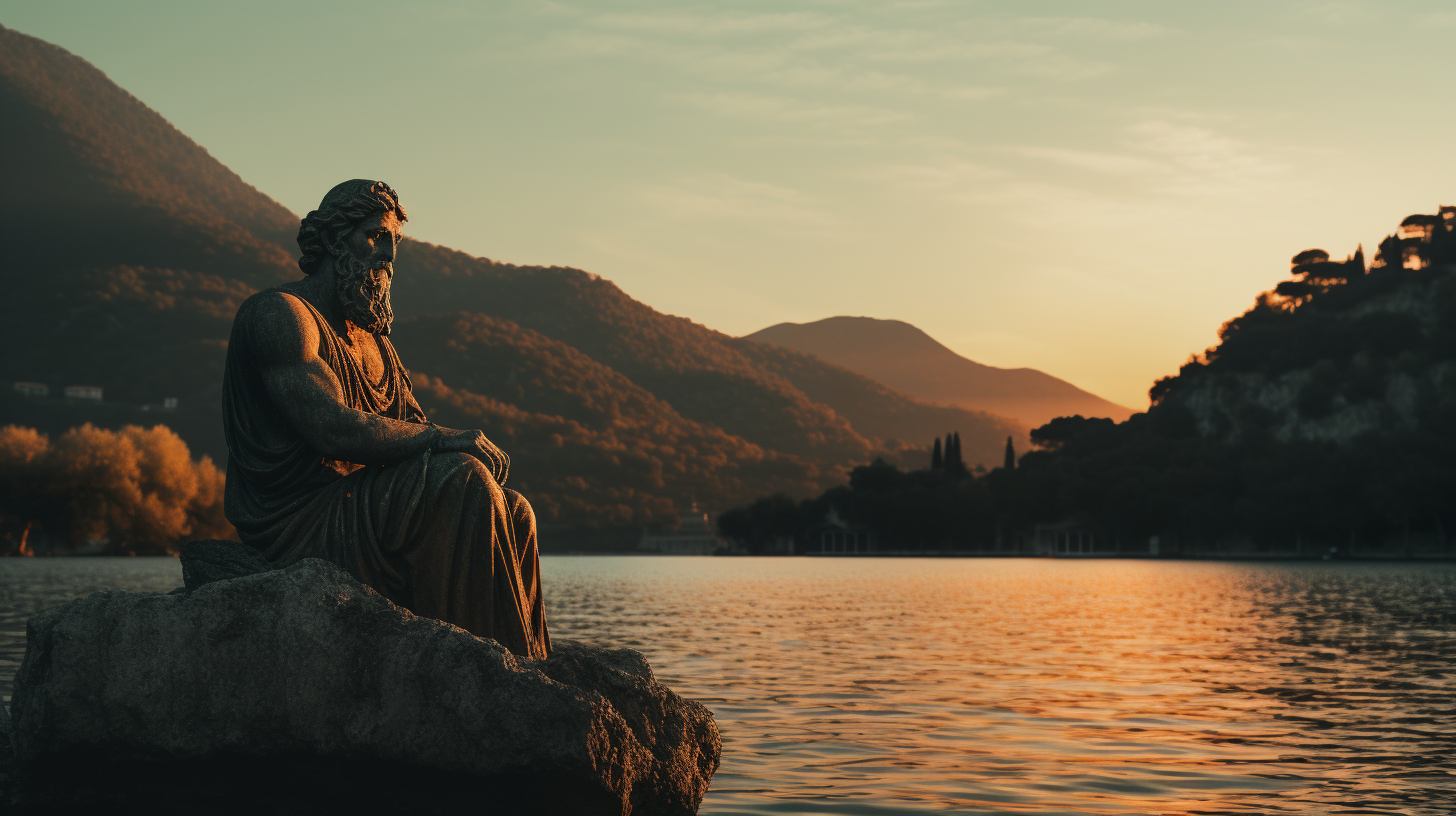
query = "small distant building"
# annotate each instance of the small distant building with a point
(84, 392)
(694, 536)
(1448, 217)
(169, 403)
(835, 536)
(1072, 537)
(30, 389)
(778, 545)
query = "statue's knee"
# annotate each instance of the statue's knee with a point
(463, 464)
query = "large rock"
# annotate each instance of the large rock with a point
(302, 691)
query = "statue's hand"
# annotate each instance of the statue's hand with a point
(476, 444)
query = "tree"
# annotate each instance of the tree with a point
(23, 502)
(1355, 264)
(1010, 455)
(954, 465)
(1307, 257)
(1391, 254)
(1297, 291)
(135, 488)
(936, 461)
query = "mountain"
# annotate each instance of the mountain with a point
(131, 249)
(904, 357)
(1322, 425)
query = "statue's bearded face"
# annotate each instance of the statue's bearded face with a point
(365, 271)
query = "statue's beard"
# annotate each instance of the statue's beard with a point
(363, 291)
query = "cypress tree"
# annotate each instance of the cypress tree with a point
(1010, 455)
(935, 461)
(953, 462)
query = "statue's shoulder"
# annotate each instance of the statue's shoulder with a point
(277, 317)
(281, 303)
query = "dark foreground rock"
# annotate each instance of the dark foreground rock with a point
(302, 691)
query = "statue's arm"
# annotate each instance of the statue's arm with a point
(285, 338)
(286, 342)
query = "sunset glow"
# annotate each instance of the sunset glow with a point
(1090, 194)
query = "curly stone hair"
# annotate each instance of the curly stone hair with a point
(323, 231)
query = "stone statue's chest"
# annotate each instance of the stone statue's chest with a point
(368, 369)
(371, 362)
(363, 349)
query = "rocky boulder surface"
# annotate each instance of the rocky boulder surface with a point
(300, 690)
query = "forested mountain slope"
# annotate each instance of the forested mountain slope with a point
(131, 249)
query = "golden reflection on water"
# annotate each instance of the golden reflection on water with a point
(880, 686)
(903, 686)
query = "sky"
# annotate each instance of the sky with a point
(1089, 189)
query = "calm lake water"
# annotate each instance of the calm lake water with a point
(988, 686)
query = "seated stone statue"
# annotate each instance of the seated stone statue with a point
(331, 457)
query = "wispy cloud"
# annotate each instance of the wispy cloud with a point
(711, 24)
(828, 50)
(789, 109)
(1205, 162)
(717, 197)
(1096, 28)
(948, 177)
(1120, 164)
(1343, 12)
(1162, 157)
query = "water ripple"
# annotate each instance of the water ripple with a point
(902, 686)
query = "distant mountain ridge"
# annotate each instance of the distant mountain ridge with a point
(132, 248)
(906, 358)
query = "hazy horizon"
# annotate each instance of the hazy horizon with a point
(1031, 186)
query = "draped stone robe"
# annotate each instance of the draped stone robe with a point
(434, 533)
